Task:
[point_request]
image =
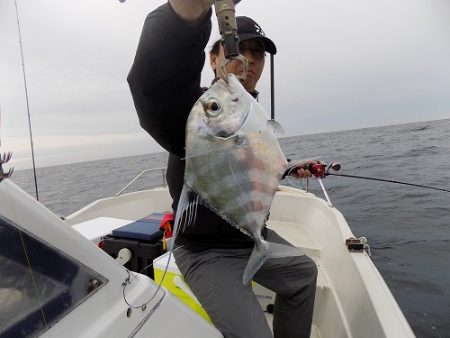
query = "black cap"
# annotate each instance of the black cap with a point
(248, 29)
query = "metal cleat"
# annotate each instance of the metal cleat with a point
(358, 245)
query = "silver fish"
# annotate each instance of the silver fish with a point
(234, 163)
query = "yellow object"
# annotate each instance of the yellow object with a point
(174, 282)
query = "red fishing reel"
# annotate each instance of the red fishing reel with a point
(317, 169)
(321, 170)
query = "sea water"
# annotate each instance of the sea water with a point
(408, 228)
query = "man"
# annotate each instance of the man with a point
(212, 254)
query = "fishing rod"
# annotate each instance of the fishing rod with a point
(28, 105)
(321, 170)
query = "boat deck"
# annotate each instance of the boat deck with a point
(315, 332)
(352, 299)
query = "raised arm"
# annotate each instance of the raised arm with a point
(165, 76)
(191, 10)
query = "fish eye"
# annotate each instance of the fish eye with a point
(213, 108)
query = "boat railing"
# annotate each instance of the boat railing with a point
(164, 182)
(163, 174)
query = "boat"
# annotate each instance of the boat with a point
(57, 282)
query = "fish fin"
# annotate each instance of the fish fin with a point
(267, 250)
(187, 208)
(277, 250)
(276, 126)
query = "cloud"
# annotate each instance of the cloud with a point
(60, 149)
(340, 65)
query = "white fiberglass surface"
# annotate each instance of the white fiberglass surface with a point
(39, 284)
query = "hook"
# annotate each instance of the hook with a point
(241, 58)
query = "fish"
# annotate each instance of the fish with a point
(233, 163)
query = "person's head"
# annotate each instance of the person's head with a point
(253, 44)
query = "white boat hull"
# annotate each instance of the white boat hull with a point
(352, 298)
(102, 313)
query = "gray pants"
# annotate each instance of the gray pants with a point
(215, 277)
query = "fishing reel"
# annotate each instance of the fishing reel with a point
(321, 170)
(318, 169)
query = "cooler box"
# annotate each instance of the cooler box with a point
(142, 238)
(145, 229)
(174, 282)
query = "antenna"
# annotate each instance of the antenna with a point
(272, 87)
(28, 105)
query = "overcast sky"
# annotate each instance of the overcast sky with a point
(341, 65)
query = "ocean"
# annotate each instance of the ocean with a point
(408, 228)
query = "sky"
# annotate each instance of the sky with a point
(340, 65)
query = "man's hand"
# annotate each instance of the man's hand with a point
(191, 10)
(301, 170)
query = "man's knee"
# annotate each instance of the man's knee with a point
(307, 273)
(312, 269)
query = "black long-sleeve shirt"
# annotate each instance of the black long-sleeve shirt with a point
(165, 83)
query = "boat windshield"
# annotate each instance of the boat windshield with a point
(38, 283)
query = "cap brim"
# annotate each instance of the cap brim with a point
(269, 46)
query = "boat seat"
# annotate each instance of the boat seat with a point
(296, 235)
(96, 228)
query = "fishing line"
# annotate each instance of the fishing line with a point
(129, 280)
(38, 293)
(321, 170)
(184, 200)
(388, 181)
(293, 182)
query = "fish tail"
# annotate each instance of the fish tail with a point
(264, 251)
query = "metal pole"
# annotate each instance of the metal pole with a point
(272, 88)
(324, 192)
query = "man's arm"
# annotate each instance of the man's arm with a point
(165, 76)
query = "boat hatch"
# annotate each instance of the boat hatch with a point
(39, 284)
